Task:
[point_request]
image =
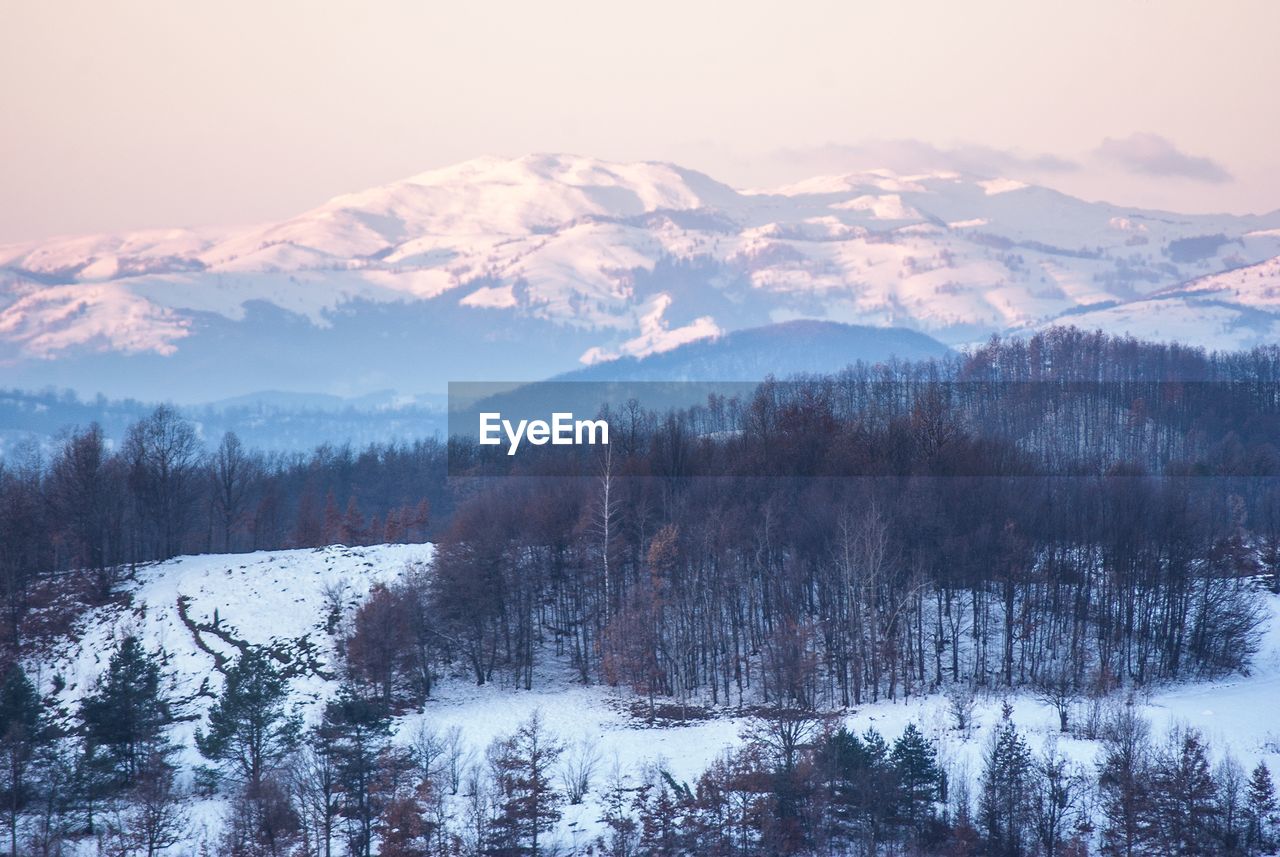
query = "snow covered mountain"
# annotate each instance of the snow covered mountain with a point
(520, 269)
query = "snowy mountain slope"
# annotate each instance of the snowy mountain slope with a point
(616, 259)
(284, 598)
(1232, 310)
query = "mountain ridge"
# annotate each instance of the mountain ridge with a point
(541, 263)
(800, 346)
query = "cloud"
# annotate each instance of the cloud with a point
(908, 156)
(1153, 155)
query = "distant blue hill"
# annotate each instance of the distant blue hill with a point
(787, 348)
(730, 365)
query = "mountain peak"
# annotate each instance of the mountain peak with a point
(566, 255)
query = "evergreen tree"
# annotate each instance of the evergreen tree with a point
(249, 728)
(862, 786)
(1006, 778)
(124, 716)
(1230, 780)
(22, 733)
(845, 761)
(919, 780)
(1183, 797)
(357, 731)
(880, 786)
(1260, 810)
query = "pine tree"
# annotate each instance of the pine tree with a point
(124, 716)
(916, 770)
(879, 787)
(249, 729)
(357, 732)
(845, 760)
(862, 785)
(1183, 804)
(1003, 806)
(1260, 810)
(22, 734)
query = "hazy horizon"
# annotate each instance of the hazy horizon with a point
(153, 115)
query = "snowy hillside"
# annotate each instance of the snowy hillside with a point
(1229, 311)
(550, 261)
(287, 600)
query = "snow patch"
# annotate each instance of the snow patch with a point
(997, 186)
(655, 335)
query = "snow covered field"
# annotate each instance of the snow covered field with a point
(287, 599)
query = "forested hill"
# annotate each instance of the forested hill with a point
(958, 462)
(1038, 532)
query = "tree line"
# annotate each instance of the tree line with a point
(1073, 513)
(797, 783)
(76, 522)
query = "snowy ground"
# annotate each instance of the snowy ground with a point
(271, 597)
(285, 598)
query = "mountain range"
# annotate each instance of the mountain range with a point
(522, 269)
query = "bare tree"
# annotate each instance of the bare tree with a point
(578, 769)
(1057, 800)
(231, 473)
(458, 757)
(523, 765)
(313, 783)
(163, 453)
(1056, 690)
(156, 818)
(961, 705)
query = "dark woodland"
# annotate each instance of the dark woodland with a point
(1075, 516)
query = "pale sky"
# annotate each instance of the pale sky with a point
(136, 114)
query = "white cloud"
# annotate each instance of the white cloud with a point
(917, 156)
(1153, 155)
